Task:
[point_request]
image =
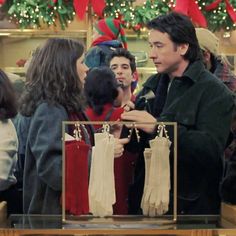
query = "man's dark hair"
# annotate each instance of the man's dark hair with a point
(180, 30)
(8, 105)
(122, 52)
(100, 88)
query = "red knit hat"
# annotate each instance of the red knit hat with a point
(111, 29)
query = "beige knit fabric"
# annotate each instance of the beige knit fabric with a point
(155, 200)
(101, 183)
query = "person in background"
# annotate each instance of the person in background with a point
(17, 82)
(214, 62)
(122, 63)
(108, 35)
(102, 91)
(186, 93)
(220, 67)
(8, 146)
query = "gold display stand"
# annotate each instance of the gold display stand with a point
(119, 220)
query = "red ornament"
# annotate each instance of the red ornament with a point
(21, 62)
(191, 9)
(137, 27)
(2, 1)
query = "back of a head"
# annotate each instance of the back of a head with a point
(208, 41)
(8, 104)
(100, 88)
(180, 30)
(111, 29)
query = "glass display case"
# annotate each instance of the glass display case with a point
(132, 225)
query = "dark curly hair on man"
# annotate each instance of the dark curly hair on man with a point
(8, 104)
(100, 88)
(52, 77)
(122, 52)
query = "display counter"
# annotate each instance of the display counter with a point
(119, 225)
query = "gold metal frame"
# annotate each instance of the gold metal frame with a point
(83, 220)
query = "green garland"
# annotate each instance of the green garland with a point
(135, 17)
(219, 18)
(32, 13)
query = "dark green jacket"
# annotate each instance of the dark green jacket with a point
(202, 106)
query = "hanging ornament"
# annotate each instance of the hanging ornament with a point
(81, 5)
(2, 1)
(229, 8)
(137, 27)
(191, 9)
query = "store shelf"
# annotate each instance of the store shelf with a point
(29, 33)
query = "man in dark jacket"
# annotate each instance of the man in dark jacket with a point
(186, 93)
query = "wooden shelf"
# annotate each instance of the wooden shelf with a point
(29, 33)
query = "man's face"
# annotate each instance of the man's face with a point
(167, 56)
(121, 67)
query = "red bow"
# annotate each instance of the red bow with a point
(80, 7)
(2, 1)
(191, 9)
(229, 8)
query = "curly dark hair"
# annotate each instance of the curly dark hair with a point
(100, 88)
(52, 77)
(8, 104)
(122, 52)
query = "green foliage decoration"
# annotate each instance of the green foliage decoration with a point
(136, 16)
(34, 13)
(218, 18)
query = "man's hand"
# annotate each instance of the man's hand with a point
(129, 106)
(119, 146)
(142, 117)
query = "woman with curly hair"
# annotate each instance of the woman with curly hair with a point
(53, 93)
